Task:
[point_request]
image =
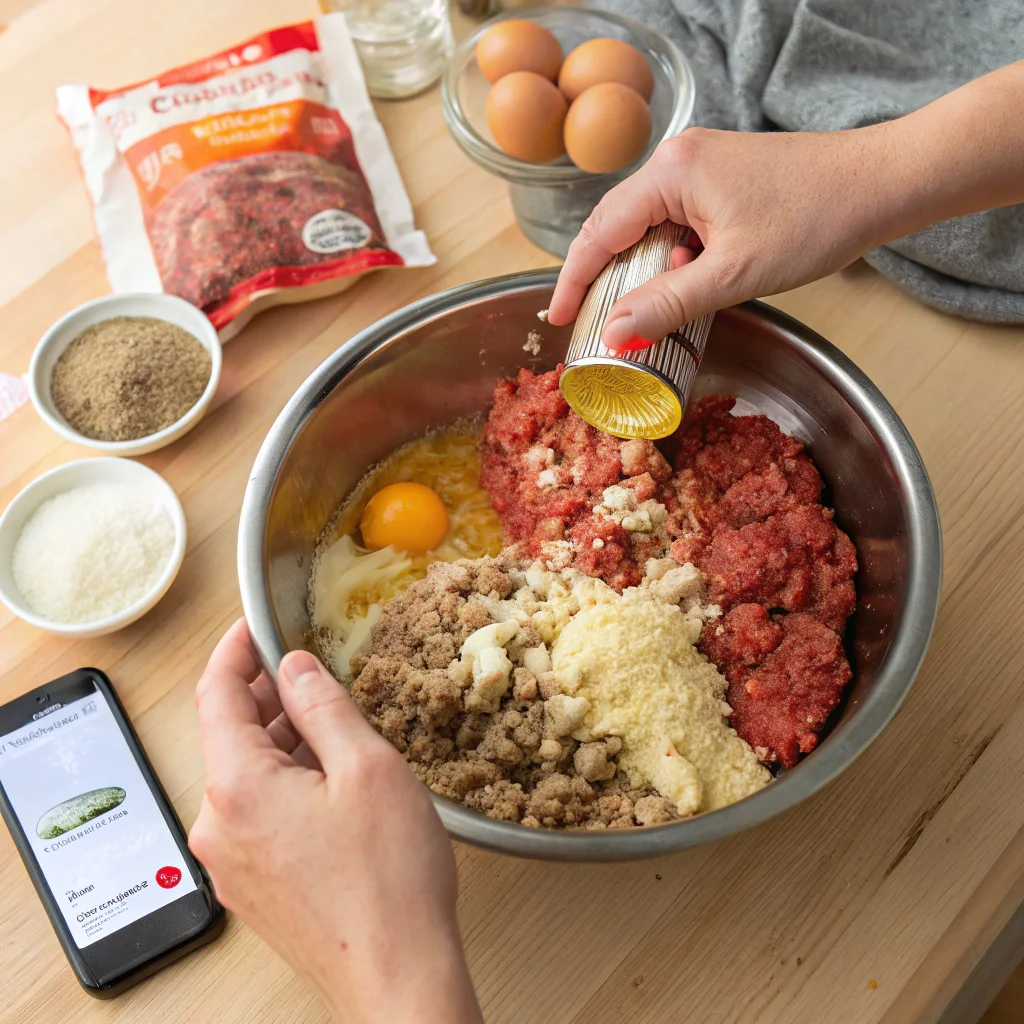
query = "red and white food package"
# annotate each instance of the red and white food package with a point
(257, 176)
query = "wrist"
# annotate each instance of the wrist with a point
(426, 986)
(916, 173)
(885, 192)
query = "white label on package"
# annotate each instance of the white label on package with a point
(334, 231)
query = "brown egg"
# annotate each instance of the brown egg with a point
(526, 114)
(518, 46)
(607, 128)
(605, 60)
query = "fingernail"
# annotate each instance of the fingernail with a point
(299, 665)
(619, 331)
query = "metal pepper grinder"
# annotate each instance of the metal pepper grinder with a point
(633, 393)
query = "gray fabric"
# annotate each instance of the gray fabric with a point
(818, 65)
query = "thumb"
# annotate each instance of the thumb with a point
(319, 708)
(665, 303)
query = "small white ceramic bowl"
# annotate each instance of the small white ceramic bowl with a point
(64, 478)
(67, 328)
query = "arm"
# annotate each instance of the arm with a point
(776, 210)
(316, 833)
(961, 154)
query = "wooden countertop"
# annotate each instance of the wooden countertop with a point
(875, 901)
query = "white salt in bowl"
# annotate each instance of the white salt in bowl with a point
(156, 305)
(65, 478)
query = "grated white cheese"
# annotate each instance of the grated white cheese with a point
(633, 660)
(91, 552)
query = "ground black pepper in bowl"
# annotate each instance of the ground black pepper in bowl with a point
(129, 377)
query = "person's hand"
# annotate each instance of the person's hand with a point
(778, 209)
(773, 211)
(316, 833)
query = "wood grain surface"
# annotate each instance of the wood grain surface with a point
(874, 902)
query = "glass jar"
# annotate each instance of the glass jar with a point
(551, 201)
(403, 45)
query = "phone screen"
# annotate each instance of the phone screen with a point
(88, 815)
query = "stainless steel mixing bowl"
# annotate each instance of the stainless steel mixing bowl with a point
(438, 360)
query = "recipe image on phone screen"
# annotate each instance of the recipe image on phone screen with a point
(95, 829)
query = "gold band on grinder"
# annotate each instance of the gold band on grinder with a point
(623, 401)
(633, 394)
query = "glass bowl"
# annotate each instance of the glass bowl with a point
(551, 201)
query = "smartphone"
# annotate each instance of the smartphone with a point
(101, 842)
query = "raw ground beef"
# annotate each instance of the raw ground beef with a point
(516, 762)
(238, 218)
(767, 548)
(794, 561)
(546, 470)
(786, 675)
(743, 504)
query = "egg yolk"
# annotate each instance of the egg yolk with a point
(406, 516)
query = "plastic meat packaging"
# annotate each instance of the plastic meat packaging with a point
(257, 176)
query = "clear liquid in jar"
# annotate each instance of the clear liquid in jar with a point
(403, 44)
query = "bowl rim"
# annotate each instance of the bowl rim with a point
(498, 162)
(97, 470)
(164, 307)
(896, 676)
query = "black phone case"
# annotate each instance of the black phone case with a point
(111, 964)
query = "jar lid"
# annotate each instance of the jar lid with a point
(634, 392)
